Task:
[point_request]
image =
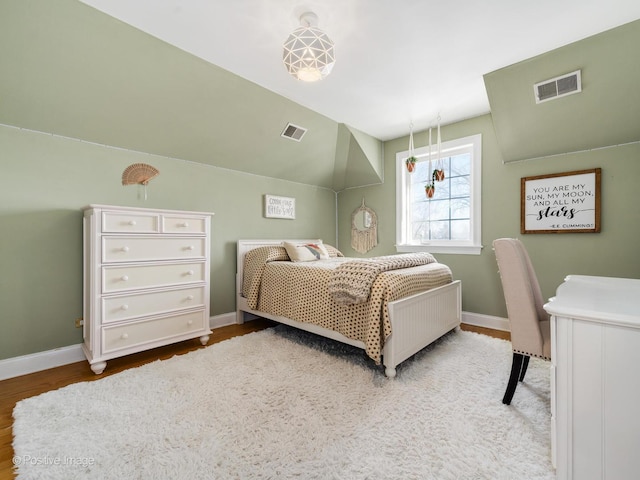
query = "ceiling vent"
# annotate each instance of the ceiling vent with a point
(558, 87)
(293, 132)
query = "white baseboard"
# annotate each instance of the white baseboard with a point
(487, 321)
(222, 320)
(35, 362)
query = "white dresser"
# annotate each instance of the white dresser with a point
(595, 378)
(146, 280)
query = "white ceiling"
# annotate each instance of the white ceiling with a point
(397, 62)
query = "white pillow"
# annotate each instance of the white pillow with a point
(306, 252)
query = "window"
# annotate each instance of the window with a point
(449, 221)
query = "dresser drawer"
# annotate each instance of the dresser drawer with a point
(117, 279)
(125, 307)
(118, 337)
(132, 249)
(122, 222)
(183, 224)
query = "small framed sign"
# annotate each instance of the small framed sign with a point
(279, 207)
(561, 203)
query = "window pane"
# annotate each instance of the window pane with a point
(460, 229)
(460, 208)
(439, 230)
(430, 217)
(461, 165)
(439, 210)
(460, 186)
(421, 173)
(417, 193)
(420, 211)
(420, 232)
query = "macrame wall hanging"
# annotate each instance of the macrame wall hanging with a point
(139, 174)
(364, 229)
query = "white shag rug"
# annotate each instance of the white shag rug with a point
(285, 404)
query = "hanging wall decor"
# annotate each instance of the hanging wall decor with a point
(139, 174)
(279, 207)
(561, 202)
(364, 229)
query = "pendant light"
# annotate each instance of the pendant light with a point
(308, 53)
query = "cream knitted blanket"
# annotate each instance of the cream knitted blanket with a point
(351, 282)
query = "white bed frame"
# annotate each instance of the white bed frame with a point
(410, 333)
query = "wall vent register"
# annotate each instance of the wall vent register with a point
(293, 132)
(557, 87)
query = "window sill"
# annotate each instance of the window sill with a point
(433, 248)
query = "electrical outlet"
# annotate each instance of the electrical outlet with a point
(79, 322)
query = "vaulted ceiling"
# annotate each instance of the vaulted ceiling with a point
(397, 62)
(203, 81)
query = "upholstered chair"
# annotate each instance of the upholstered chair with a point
(529, 323)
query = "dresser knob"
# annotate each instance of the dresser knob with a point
(190, 247)
(124, 278)
(125, 307)
(190, 272)
(183, 224)
(125, 249)
(190, 322)
(132, 223)
(190, 297)
(124, 336)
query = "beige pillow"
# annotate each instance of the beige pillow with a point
(306, 252)
(333, 251)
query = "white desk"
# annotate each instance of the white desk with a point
(595, 378)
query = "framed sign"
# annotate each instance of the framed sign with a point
(279, 207)
(561, 203)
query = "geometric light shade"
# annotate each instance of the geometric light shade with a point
(308, 52)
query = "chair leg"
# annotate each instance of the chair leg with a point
(516, 367)
(525, 364)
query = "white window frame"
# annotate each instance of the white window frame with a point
(468, 247)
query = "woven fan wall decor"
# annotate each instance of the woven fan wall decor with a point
(139, 174)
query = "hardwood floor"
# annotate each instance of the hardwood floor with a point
(486, 331)
(15, 389)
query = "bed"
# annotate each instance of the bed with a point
(393, 323)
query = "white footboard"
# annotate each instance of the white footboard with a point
(418, 320)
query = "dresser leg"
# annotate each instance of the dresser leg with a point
(98, 367)
(204, 339)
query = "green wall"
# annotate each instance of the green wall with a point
(612, 252)
(46, 180)
(75, 72)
